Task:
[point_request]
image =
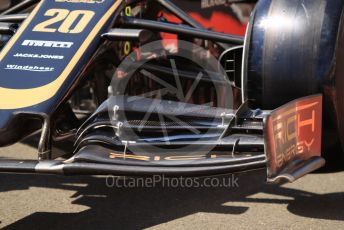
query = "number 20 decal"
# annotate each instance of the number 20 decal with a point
(78, 17)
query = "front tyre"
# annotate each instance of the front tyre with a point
(294, 49)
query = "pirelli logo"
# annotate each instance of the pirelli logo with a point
(52, 44)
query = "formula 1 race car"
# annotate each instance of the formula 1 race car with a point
(179, 88)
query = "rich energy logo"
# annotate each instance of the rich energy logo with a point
(38, 56)
(295, 131)
(53, 44)
(30, 68)
(162, 158)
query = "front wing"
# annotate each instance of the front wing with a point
(288, 145)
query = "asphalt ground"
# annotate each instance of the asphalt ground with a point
(56, 202)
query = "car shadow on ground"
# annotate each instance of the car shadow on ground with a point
(137, 208)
